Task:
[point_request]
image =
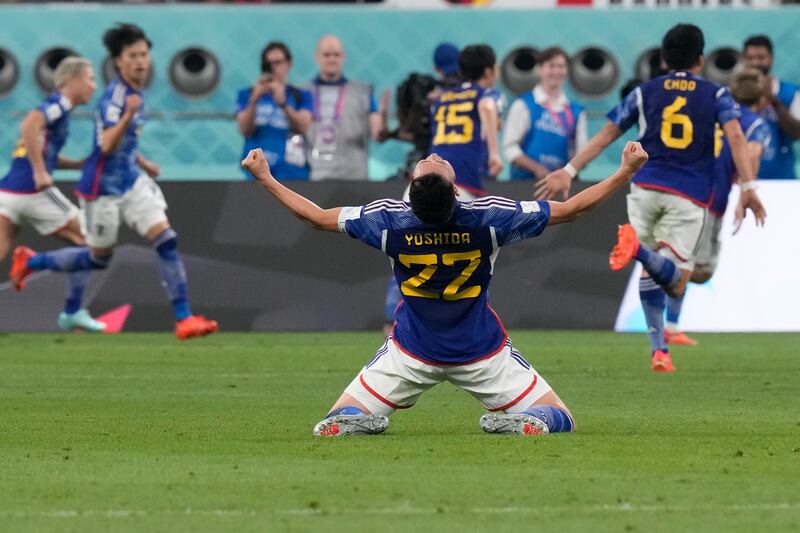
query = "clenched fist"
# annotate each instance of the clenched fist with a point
(633, 156)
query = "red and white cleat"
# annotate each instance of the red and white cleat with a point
(195, 326)
(19, 266)
(625, 249)
(662, 362)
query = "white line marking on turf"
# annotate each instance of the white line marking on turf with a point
(623, 507)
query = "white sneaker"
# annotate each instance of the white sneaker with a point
(351, 425)
(519, 424)
(81, 320)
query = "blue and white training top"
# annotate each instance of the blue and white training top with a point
(113, 174)
(444, 271)
(19, 179)
(677, 114)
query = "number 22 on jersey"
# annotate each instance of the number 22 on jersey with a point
(430, 263)
(453, 124)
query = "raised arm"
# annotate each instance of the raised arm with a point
(633, 157)
(31, 133)
(299, 205)
(748, 199)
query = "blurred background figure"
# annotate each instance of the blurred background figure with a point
(345, 117)
(274, 115)
(544, 129)
(782, 115)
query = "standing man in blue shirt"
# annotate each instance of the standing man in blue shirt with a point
(782, 115)
(668, 203)
(274, 115)
(27, 193)
(543, 128)
(117, 185)
(443, 254)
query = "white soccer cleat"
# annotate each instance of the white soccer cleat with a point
(80, 320)
(519, 424)
(340, 425)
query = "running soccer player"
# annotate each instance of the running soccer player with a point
(117, 185)
(747, 88)
(465, 123)
(667, 206)
(443, 254)
(27, 193)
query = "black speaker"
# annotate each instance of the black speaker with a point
(9, 72)
(517, 70)
(194, 72)
(650, 65)
(46, 65)
(721, 65)
(593, 71)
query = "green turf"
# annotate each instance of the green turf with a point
(142, 433)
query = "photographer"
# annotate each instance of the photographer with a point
(273, 115)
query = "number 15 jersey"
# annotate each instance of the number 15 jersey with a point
(677, 114)
(444, 271)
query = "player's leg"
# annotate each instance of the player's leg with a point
(518, 398)
(144, 210)
(8, 232)
(390, 380)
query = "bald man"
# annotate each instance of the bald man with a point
(345, 117)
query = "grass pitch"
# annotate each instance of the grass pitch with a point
(142, 433)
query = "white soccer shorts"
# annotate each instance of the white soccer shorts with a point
(707, 256)
(46, 211)
(141, 208)
(667, 222)
(394, 379)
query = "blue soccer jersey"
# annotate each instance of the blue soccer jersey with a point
(457, 134)
(778, 162)
(444, 271)
(755, 129)
(113, 174)
(677, 114)
(19, 179)
(272, 131)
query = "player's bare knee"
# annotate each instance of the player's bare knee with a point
(701, 274)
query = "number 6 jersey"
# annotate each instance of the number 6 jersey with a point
(444, 271)
(677, 114)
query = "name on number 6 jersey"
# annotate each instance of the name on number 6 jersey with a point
(677, 114)
(444, 271)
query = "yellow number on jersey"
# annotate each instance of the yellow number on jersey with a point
(671, 117)
(411, 287)
(19, 150)
(718, 135)
(450, 119)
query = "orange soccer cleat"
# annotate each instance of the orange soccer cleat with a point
(195, 326)
(662, 362)
(625, 249)
(678, 338)
(19, 266)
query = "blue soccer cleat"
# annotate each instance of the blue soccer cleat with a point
(519, 424)
(80, 320)
(340, 425)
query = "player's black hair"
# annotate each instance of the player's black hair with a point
(759, 40)
(682, 46)
(273, 45)
(123, 35)
(432, 198)
(474, 60)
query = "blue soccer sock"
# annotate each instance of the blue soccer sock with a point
(71, 259)
(557, 420)
(347, 410)
(654, 300)
(77, 283)
(173, 273)
(674, 306)
(663, 271)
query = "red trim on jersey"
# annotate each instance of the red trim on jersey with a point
(20, 193)
(715, 212)
(675, 192)
(518, 398)
(464, 363)
(95, 181)
(381, 398)
(473, 190)
(664, 244)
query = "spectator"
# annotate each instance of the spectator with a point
(445, 61)
(345, 116)
(543, 128)
(782, 116)
(274, 115)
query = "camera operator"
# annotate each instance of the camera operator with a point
(273, 115)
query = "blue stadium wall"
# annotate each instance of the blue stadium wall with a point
(382, 46)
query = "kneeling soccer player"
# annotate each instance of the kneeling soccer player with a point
(443, 253)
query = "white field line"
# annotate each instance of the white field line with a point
(622, 507)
